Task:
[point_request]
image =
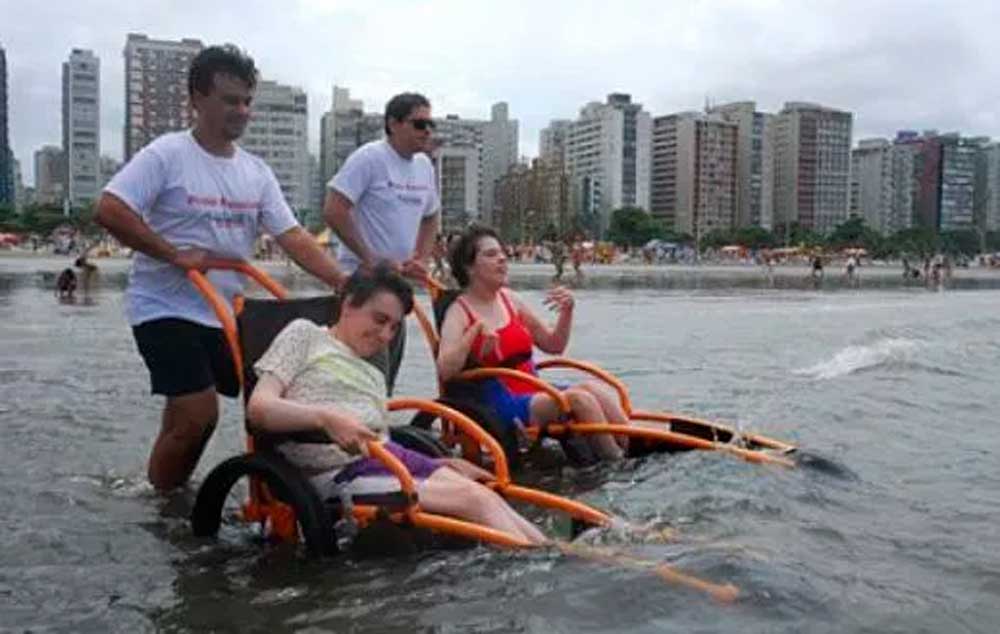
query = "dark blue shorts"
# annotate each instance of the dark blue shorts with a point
(510, 408)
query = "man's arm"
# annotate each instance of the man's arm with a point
(130, 229)
(306, 252)
(337, 212)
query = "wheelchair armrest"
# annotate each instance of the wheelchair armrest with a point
(481, 374)
(464, 423)
(594, 370)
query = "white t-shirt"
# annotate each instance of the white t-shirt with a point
(391, 195)
(191, 198)
(316, 368)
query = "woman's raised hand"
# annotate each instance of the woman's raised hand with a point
(559, 299)
(490, 339)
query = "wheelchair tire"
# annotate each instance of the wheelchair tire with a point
(418, 439)
(284, 481)
(484, 417)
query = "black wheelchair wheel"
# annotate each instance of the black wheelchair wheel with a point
(284, 482)
(485, 418)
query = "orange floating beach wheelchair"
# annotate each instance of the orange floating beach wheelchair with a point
(656, 431)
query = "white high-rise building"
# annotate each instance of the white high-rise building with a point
(457, 170)
(754, 163)
(498, 155)
(495, 141)
(872, 183)
(81, 126)
(695, 172)
(156, 88)
(608, 157)
(278, 133)
(812, 166)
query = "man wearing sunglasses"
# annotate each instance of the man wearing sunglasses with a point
(383, 203)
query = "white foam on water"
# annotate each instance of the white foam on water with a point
(855, 358)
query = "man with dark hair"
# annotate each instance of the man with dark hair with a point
(383, 203)
(186, 197)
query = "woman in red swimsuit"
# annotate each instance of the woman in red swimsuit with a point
(491, 326)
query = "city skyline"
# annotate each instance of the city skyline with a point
(890, 65)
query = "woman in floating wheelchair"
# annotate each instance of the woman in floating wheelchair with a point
(314, 378)
(490, 326)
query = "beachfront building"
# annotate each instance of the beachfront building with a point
(278, 133)
(608, 158)
(872, 184)
(943, 178)
(812, 166)
(7, 195)
(81, 126)
(533, 202)
(552, 142)
(457, 170)
(988, 187)
(156, 90)
(343, 129)
(754, 162)
(50, 175)
(695, 172)
(496, 143)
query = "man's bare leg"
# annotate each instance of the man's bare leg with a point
(188, 423)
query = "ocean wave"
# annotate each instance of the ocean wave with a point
(853, 359)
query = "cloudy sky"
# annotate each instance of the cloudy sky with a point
(916, 64)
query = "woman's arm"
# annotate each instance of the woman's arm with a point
(551, 340)
(270, 411)
(455, 344)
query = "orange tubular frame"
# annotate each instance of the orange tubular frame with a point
(435, 288)
(262, 507)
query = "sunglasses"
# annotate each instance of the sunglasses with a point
(423, 124)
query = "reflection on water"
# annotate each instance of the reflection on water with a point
(888, 525)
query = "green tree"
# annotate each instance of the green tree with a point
(754, 238)
(634, 227)
(916, 241)
(8, 219)
(715, 239)
(960, 242)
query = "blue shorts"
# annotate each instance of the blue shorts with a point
(511, 408)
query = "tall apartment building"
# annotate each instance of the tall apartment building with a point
(278, 133)
(156, 91)
(958, 178)
(50, 175)
(19, 188)
(345, 128)
(457, 170)
(533, 201)
(6, 155)
(988, 187)
(695, 172)
(552, 142)
(109, 167)
(81, 126)
(608, 159)
(754, 163)
(873, 188)
(812, 166)
(495, 141)
(943, 178)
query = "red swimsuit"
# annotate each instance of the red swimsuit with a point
(513, 349)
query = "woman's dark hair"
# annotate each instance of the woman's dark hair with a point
(363, 285)
(226, 59)
(463, 253)
(402, 106)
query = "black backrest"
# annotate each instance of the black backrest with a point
(260, 322)
(441, 305)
